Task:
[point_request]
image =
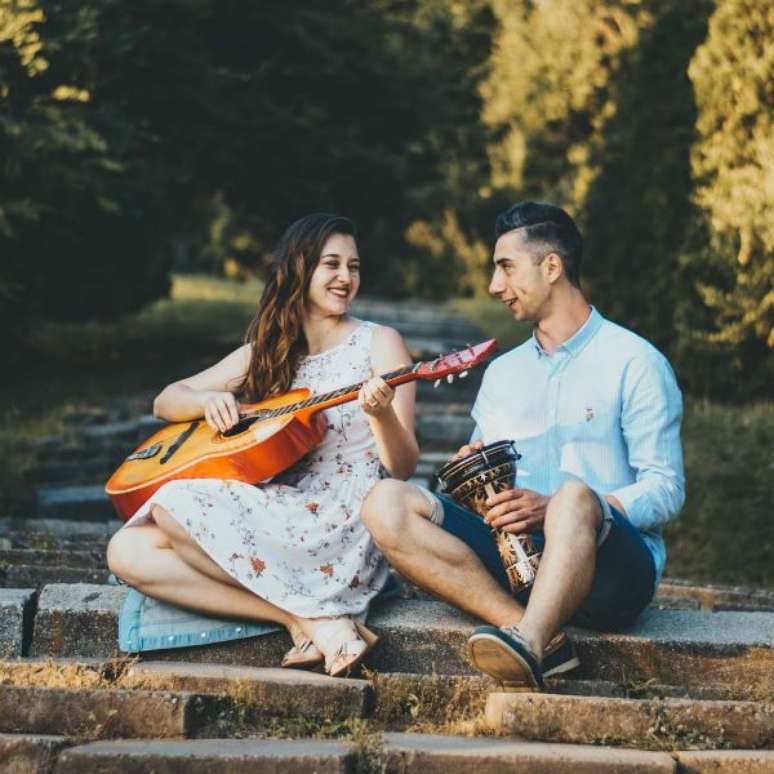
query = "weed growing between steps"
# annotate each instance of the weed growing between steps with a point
(54, 674)
(431, 704)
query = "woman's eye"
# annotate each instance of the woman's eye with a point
(355, 267)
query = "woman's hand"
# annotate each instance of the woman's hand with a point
(221, 409)
(466, 449)
(375, 397)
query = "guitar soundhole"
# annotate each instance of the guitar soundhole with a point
(240, 427)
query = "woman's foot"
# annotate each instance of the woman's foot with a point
(304, 653)
(343, 641)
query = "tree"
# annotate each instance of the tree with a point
(727, 328)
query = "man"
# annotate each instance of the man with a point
(595, 412)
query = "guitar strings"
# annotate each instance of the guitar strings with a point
(315, 399)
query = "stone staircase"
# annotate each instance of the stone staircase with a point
(689, 689)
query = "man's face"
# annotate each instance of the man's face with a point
(521, 284)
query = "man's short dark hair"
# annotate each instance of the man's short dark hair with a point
(546, 229)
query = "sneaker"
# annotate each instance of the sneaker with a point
(506, 656)
(559, 656)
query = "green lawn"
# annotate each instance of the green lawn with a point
(723, 535)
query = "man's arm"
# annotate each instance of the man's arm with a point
(652, 410)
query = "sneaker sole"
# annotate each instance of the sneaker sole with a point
(495, 658)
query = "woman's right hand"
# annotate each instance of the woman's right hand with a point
(468, 448)
(221, 409)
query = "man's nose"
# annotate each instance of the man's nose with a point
(496, 285)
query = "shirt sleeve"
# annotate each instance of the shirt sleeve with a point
(652, 409)
(483, 407)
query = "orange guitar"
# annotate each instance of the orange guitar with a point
(270, 437)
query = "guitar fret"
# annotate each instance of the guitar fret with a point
(313, 400)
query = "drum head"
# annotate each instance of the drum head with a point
(456, 472)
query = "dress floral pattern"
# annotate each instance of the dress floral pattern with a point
(298, 541)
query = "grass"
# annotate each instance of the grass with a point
(723, 535)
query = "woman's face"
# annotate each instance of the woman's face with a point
(336, 278)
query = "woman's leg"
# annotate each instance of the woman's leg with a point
(328, 639)
(146, 559)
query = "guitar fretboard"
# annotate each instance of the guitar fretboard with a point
(333, 396)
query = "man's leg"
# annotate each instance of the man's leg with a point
(566, 570)
(396, 514)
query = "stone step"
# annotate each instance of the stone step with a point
(156, 700)
(204, 756)
(433, 754)
(731, 650)
(650, 723)
(37, 577)
(17, 610)
(87, 502)
(30, 753)
(40, 557)
(405, 753)
(717, 597)
(88, 471)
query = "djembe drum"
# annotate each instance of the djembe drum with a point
(470, 481)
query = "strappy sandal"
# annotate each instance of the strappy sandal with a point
(350, 651)
(304, 653)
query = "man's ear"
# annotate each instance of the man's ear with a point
(553, 266)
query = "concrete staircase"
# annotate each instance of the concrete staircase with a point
(690, 688)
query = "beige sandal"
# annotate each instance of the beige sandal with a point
(304, 652)
(342, 659)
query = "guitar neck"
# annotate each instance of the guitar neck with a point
(342, 395)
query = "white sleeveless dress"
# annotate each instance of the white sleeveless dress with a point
(298, 542)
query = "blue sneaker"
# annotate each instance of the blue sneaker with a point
(506, 656)
(559, 656)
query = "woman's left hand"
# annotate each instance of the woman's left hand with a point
(375, 396)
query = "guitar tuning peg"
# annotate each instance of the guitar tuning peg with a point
(436, 382)
(450, 378)
(463, 374)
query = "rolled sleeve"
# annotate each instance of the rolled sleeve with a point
(652, 410)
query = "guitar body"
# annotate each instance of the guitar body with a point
(193, 449)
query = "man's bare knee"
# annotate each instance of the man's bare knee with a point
(387, 509)
(575, 504)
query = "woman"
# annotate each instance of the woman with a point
(292, 551)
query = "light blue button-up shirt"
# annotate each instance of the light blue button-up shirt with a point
(605, 409)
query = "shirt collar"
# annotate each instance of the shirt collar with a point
(578, 340)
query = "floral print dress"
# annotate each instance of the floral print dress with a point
(298, 541)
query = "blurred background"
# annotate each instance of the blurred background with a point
(152, 152)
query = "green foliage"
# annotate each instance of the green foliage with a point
(77, 227)
(727, 326)
(723, 533)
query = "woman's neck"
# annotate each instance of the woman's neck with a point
(325, 332)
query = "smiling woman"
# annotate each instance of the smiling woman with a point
(293, 551)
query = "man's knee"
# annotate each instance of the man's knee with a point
(574, 504)
(386, 511)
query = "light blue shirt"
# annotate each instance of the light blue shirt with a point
(605, 409)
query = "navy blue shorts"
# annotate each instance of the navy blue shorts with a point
(624, 577)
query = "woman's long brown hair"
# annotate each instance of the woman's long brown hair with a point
(276, 336)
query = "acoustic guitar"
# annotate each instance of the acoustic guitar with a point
(270, 437)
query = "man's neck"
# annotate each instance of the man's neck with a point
(563, 320)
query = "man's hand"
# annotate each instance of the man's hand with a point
(517, 510)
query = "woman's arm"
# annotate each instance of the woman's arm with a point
(391, 411)
(210, 393)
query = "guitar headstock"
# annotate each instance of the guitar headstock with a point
(456, 362)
